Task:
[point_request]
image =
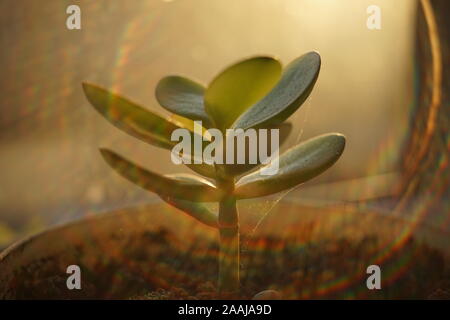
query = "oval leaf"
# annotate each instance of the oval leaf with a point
(286, 97)
(238, 87)
(197, 210)
(183, 97)
(297, 165)
(200, 190)
(139, 122)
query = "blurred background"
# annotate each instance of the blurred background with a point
(51, 170)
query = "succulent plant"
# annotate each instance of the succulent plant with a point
(253, 93)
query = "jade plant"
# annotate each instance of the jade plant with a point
(252, 94)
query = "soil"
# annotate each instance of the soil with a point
(154, 266)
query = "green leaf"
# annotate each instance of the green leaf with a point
(183, 97)
(239, 169)
(238, 87)
(130, 117)
(297, 165)
(286, 97)
(139, 122)
(198, 190)
(197, 210)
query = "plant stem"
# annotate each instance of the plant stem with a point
(229, 240)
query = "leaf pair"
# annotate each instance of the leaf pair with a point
(297, 165)
(251, 93)
(186, 192)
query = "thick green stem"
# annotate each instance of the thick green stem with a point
(229, 240)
